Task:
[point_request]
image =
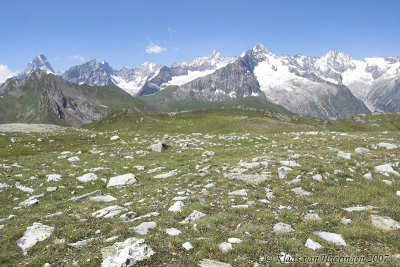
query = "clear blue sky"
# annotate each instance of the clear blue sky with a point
(70, 32)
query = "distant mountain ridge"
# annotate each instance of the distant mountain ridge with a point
(332, 86)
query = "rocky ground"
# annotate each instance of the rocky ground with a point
(85, 198)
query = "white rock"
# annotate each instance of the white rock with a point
(281, 228)
(359, 208)
(73, 159)
(166, 175)
(126, 179)
(111, 239)
(158, 147)
(243, 206)
(194, 216)
(312, 217)
(173, 231)
(24, 188)
(345, 221)
(398, 193)
(225, 246)
(367, 176)
(53, 177)
(360, 150)
(344, 155)
(213, 263)
(177, 206)
(109, 212)
(234, 240)
(300, 192)
(51, 189)
(384, 222)
(208, 153)
(33, 234)
(283, 171)
(289, 163)
(387, 145)
(241, 192)
(115, 137)
(332, 237)
(387, 182)
(386, 168)
(88, 177)
(187, 246)
(31, 200)
(81, 243)
(103, 198)
(126, 253)
(312, 244)
(144, 227)
(317, 177)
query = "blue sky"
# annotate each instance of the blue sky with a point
(128, 33)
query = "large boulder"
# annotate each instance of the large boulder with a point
(33, 234)
(158, 147)
(121, 180)
(127, 253)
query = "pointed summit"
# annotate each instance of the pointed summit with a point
(215, 54)
(40, 62)
(260, 49)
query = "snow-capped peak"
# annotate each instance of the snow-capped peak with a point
(260, 49)
(40, 62)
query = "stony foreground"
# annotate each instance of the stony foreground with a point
(111, 199)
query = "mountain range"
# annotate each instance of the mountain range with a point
(332, 86)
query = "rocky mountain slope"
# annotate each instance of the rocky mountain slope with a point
(48, 98)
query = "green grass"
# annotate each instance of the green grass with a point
(234, 135)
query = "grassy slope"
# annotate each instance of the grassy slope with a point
(336, 191)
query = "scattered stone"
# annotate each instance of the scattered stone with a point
(312, 244)
(312, 217)
(158, 147)
(194, 216)
(387, 145)
(387, 182)
(109, 212)
(250, 178)
(24, 188)
(177, 206)
(187, 246)
(151, 214)
(317, 177)
(33, 200)
(126, 253)
(283, 171)
(51, 189)
(225, 246)
(208, 153)
(234, 240)
(213, 263)
(166, 175)
(111, 239)
(345, 221)
(360, 150)
(33, 234)
(332, 237)
(114, 138)
(105, 198)
(367, 176)
(144, 227)
(289, 163)
(121, 180)
(359, 208)
(241, 192)
(88, 177)
(128, 215)
(398, 193)
(344, 155)
(81, 243)
(158, 169)
(173, 231)
(281, 228)
(300, 192)
(384, 222)
(386, 168)
(82, 197)
(53, 177)
(73, 159)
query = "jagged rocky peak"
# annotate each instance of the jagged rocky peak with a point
(40, 62)
(337, 60)
(260, 49)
